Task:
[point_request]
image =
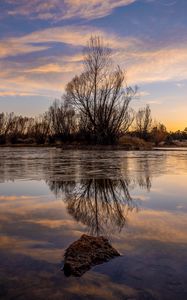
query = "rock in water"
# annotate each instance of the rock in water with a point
(88, 251)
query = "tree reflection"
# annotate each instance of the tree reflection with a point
(100, 204)
(97, 189)
(144, 177)
(95, 185)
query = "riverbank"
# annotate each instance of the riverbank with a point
(125, 143)
(77, 147)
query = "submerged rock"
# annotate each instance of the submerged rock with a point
(88, 251)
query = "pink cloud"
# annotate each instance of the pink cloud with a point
(66, 9)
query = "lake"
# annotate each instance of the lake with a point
(137, 199)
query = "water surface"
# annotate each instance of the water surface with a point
(50, 197)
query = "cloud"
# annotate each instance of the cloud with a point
(54, 223)
(55, 68)
(64, 9)
(157, 102)
(76, 36)
(142, 94)
(13, 47)
(25, 246)
(180, 85)
(101, 290)
(158, 225)
(168, 2)
(46, 73)
(11, 93)
(93, 9)
(71, 35)
(22, 197)
(164, 64)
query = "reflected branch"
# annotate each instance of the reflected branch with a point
(100, 204)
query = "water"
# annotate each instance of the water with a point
(50, 197)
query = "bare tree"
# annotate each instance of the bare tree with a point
(159, 133)
(39, 129)
(143, 122)
(62, 119)
(100, 95)
(8, 122)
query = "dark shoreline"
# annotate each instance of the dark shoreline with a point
(78, 147)
(97, 147)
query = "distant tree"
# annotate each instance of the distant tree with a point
(62, 119)
(2, 128)
(143, 122)
(178, 135)
(159, 134)
(7, 122)
(40, 128)
(18, 129)
(100, 95)
(185, 133)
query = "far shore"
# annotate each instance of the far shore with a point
(77, 146)
(125, 143)
(147, 147)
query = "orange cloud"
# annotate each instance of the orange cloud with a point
(58, 9)
(168, 63)
(14, 198)
(13, 47)
(56, 68)
(93, 9)
(24, 246)
(161, 225)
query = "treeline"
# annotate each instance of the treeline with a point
(146, 129)
(95, 109)
(62, 124)
(153, 131)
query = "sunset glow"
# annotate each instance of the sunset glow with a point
(41, 46)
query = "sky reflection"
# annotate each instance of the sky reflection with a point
(48, 210)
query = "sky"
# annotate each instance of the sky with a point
(41, 46)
